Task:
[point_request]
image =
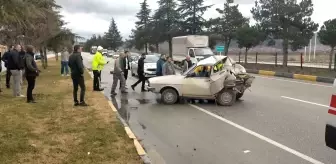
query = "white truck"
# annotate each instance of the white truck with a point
(196, 46)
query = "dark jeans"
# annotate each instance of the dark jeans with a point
(96, 79)
(125, 75)
(64, 67)
(142, 80)
(100, 76)
(8, 76)
(31, 85)
(78, 81)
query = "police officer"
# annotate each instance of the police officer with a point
(77, 75)
(98, 63)
(141, 74)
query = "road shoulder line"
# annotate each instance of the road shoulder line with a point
(140, 150)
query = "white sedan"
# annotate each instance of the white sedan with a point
(214, 78)
(149, 66)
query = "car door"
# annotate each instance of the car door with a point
(217, 80)
(196, 86)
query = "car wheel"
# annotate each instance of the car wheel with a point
(169, 96)
(226, 97)
(239, 95)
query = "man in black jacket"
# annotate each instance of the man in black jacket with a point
(0, 64)
(5, 58)
(141, 74)
(77, 74)
(15, 65)
(31, 72)
(125, 65)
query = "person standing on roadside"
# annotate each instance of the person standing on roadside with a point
(22, 55)
(159, 65)
(118, 75)
(31, 72)
(125, 65)
(0, 75)
(15, 66)
(98, 63)
(168, 67)
(141, 73)
(77, 75)
(187, 64)
(5, 58)
(65, 62)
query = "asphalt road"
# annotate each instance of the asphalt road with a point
(280, 121)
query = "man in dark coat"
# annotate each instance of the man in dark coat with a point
(16, 64)
(141, 71)
(125, 65)
(77, 74)
(5, 58)
(31, 72)
(159, 65)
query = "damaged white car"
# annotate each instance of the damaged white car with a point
(216, 78)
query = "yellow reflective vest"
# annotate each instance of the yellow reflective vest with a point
(98, 62)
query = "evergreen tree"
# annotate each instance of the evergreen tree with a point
(249, 37)
(286, 20)
(192, 12)
(112, 38)
(227, 24)
(327, 36)
(168, 21)
(142, 28)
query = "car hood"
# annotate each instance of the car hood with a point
(169, 79)
(150, 65)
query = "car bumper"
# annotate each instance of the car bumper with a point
(330, 135)
(150, 89)
(149, 75)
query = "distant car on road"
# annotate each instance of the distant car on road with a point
(149, 66)
(37, 56)
(115, 55)
(110, 53)
(134, 56)
(104, 52)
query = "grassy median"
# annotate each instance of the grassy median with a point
(53, 131)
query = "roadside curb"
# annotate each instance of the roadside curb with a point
(139, 148)
(293, 76)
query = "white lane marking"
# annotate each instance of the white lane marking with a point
(261, 137)
(308, 102)
(293, 81)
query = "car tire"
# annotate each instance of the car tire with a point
(239, 95)
(226, 97)
(169, 96)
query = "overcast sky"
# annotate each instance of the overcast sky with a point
(87, 17)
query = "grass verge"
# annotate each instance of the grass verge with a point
(53, 131)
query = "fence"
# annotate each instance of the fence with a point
(320, 60)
